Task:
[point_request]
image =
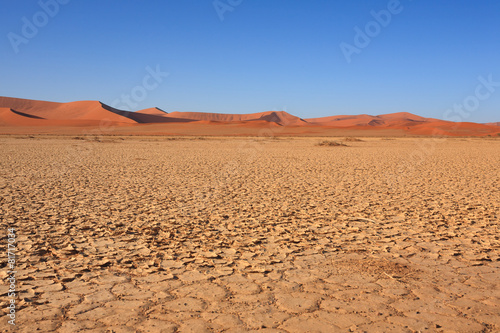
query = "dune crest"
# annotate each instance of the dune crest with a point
(19, 113)
(154, 112)
(280, 117)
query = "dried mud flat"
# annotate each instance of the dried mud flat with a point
(142, 234)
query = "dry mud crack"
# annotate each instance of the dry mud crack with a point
(240, 234)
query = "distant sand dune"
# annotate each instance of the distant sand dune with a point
(10, 117)
(279, 117)
(24, 116)
(154, 112)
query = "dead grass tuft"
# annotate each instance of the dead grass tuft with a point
(351, 139)
(331, 143)
(25, 137)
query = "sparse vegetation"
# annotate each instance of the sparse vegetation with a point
(25, 137)
(331, 143)
(351, 139)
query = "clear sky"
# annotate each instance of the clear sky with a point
(311, 58)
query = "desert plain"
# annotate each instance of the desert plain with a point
(225, 234)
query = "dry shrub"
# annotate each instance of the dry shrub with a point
(107, 141)
(351, 139)
(24, 137)
(100, 139)
(331, 143)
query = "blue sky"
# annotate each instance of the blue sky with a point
(258, 55)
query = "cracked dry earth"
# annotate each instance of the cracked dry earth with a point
(164, 234)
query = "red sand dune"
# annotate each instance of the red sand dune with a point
(25, 115)
(441, 127)
(391, 119)
(14, 118)
(9, 117)
(84, 110)
(279, 117)
(154, 112)
(343, 121)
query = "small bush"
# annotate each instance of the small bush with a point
(350, 139)
(331, 143)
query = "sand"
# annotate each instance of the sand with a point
(24, 116)
(158, 234)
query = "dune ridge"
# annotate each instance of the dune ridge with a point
(21, 113)
(279, 117)
(154, 111)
